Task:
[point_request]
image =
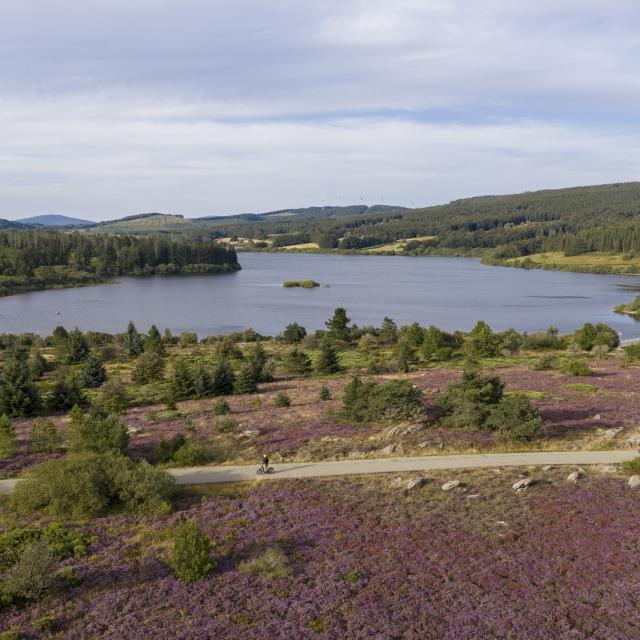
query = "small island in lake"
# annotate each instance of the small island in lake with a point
(305, 284)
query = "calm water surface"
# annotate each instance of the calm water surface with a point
(451, 293)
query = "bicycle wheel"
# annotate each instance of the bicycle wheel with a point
(270, 470)
(260, 471)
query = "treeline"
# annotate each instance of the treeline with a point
(578, 220)
(42, 258)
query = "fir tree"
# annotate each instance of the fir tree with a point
(133, 341)
(65, 393)
(223, 378)
(246, 381)
(338, 326)
(181, 384)
(93, 374)
(327, 362)
(154, 341)
(76, 347)
(19, 397)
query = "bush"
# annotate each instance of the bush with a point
(631, 466)
(8, 442)
(297, 363)
(545, 363)
(45, 437)
(293, 333)
(165, 449)
(113, 397)
(483, 341)
(97, 433)
(246, 382)
(225, 425)
(66, 392)
(514, 419)
(190, 454)
(576, 367)
(468, 403)
(325, 394)
(31, 577)
(93, 374)
(544, 340)
(61, 542)
(327, 360)
(272, 563)
(149, 367)
(191, 555)
(393, 401)
(282, 400)
(93, 484)
(221, 407)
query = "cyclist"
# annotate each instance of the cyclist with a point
(265, 462)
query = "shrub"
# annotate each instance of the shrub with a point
(576, 367)
(188, 339)
(221, 407)
(165, 449)
(45, 437)
(190, 454)
(298, 363)
(223, 378)
(61, 542)
(468, 403)
(93, 484)
(45, 624)
(372, 402)
(8, 442)
(148, 367)
(225, 425)
(294, 333)
(97, 433)
(483, 341)
(272, 563)
(66, 392)
(545, 363)
(514, 419)
(31, 577)
(282, 400)
(544, 340)
(631, 466)
(325, 394)
(113, 397)
(191, 555)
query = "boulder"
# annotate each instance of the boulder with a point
(415, 483)
(523, 484)
(633, 441)
(389, 449)
(575, 476)
(451, 484)
(607, 468)
(612, 433)
(634, 482)
(395, 483)
(404, 430)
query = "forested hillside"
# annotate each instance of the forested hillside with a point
(40, 259)
(578, 220)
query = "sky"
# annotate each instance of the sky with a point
(205, 107)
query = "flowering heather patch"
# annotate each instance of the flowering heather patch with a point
(558, 562)
(312, 428)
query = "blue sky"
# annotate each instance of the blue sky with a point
(201, 107)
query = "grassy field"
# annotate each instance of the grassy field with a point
(585, 262)
(398, 245)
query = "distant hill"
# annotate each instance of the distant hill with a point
(144, 223)
(55, 221)
(12, 224)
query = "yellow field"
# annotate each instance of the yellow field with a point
(306, 245)
(586, 260)
(398, 245)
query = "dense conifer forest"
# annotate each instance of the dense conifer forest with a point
(37, 259)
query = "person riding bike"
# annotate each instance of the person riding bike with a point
(265, 462)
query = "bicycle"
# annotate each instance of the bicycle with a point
(262, 470)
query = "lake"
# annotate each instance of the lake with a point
(451, 293)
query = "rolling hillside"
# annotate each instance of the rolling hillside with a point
(55, 221)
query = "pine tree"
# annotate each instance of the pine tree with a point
(93, 374)
(327, 361)
(223, 378)
(325, 394)
(8, 444)
(181, 385)
(154, 341)
(191, 555)
(337, 326)
(19, 397)
(246, 381)
(148, 367)
(65, 393)
(298, 362)
(76, 347)
(259, 359)
(45, 437)
(133, 341)
(388, 331)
